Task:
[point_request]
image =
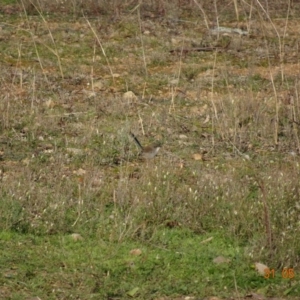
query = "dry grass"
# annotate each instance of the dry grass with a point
(69, 165)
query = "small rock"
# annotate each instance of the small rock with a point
(221, 260)
(174, 81)
(98, 85)
(261, 268)
(75, 151)
(129, 97)
(76, 237)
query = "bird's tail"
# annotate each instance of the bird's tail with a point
(136, 140)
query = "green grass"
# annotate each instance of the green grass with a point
(6, 2)
(174, 263)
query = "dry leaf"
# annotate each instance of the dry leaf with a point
(206, 119)
(207, 240)
(133, 292)
(49, 103)
(89, 94)
(197, 156)
(79, 172)
(136, 252)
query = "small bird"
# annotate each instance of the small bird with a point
(147, 152)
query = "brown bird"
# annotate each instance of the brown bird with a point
(147, 152)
